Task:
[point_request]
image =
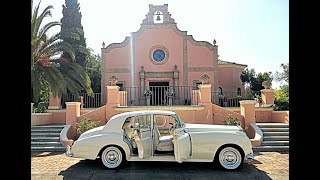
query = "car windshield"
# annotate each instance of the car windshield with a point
(179, 122)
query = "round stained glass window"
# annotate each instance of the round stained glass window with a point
(158, 55)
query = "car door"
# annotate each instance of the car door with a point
(144, 140)
(182, 144)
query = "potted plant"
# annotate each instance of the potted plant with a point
(204, 79)
(266, 84)
(113, 80)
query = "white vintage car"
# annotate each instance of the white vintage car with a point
(154, 135)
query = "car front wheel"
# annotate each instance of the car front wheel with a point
(230, 158)
(111, 157)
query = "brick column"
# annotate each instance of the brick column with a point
(113, 96)
(248, 112)
(54, 102)
(267, 97)
(72, 113)
(205, 93)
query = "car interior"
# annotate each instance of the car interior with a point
(162, 143)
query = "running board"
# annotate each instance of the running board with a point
(165, 159)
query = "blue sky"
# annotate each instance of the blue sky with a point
(252, 32)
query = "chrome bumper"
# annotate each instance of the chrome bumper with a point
(69, 153)
(249, 156)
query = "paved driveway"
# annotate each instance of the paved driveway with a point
(58, 166)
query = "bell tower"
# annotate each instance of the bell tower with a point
(158, 14)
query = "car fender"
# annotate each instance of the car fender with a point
(206, 144)
(89, 147)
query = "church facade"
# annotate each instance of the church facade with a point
(159, 54)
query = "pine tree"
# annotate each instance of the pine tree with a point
(71, 21)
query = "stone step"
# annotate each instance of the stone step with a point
(33, 134)
(275, 133)
(46, 130)
(45, 139)
(270, 148)
(274, 129)
(275, 138)
(272, 125)
(48, 127)
(49, 149)
(41, 144)
(275, 143)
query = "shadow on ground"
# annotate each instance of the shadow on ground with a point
(94, 169)
(44, 154)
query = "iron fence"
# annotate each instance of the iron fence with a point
(88, 101)
(231, 99)
(159, 96)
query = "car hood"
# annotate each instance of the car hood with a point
(91, 132)
(207, 127)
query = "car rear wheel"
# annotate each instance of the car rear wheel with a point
(230, 158)
(112, 157)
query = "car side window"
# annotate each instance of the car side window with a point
(177, 121)
(143, 121)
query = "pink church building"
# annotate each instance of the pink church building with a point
(161, 55)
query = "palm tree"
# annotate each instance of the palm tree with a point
(48, 68)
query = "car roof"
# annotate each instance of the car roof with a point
(116, 122)
(143, 112)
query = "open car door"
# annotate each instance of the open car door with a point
(142, 136)
(182, 145)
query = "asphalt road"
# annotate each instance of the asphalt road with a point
(93, 169)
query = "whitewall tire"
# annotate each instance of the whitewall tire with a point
(112, 157)
(230, 158)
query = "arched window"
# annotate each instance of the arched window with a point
(239, 92)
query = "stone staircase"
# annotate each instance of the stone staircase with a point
(275, 137)
(46, 138)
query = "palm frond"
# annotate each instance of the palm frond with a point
(47, 26)
(69, 76)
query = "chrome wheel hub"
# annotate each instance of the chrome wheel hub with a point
(230, 157)
(112, 156)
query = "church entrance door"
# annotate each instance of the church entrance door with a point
(158, 93)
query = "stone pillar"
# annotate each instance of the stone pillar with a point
(113, 96)
(54, 102)
(205, 93)
(267, 97)
(215, 69)
(176, 84)
(142, 83)
(32, 108)
(103, 76)
(72, 113)
(248, 112)
(205, 100)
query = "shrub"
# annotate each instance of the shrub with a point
(41, 108)
(232, 121)
(281, 105)
(85, 125)
(281, 100)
